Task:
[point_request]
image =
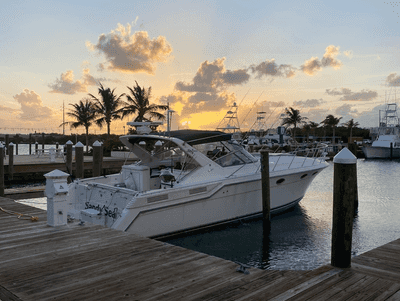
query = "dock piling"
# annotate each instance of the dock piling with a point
(11, 161)
(265, 190)
(43, 141)
(1, 169)
(97, 158)
(391, 150)
(69, 156)
(30, 142)
(36, 148)
(7, 140)
(79, 160)
(344, 195)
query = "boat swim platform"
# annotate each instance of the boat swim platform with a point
(91, 262)
(26, 165)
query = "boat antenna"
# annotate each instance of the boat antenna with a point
(63, 120)
(226, 115)
(252, 107)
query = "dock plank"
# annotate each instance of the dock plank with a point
(91, 262)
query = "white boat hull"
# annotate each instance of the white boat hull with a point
(377, 152)
(164, 212)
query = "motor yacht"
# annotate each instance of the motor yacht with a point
(189, 179)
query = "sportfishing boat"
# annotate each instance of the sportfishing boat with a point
(189, 179)
(387, 142)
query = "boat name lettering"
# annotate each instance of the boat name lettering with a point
(107, 211)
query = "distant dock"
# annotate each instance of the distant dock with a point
(28, 167)
(90, 262)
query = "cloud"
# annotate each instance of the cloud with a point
(276, 103)
(309, 103)
(346, 111)
(313, 65)
(348, 53)
(66, 84)
(212, 77)
(235, 77)
(131, 53)
(393, 80)
(329, 59)
(32, 107)
(270, 68)
(335, 92)
(348, 95)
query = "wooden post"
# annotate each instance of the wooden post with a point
(7, 143)
(42, 140)
(101, 158)
(69, 156)
(251, 146)
(96, 159)
(344, 193)
(1, 169)
(11, 161)
(391, 150)
(265, 190)
(30, 142)
(16, 148)
(57, 145)
(36, 147)
(79, 160)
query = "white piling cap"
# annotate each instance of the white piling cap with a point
(11, 144)
(96, 143)
(79, 144)
(345, 157)
(69, 142)
(56, 174)
(158, 143)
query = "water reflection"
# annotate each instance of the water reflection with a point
(300, 239)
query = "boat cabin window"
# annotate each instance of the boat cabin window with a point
(231, 154)
(168, 154)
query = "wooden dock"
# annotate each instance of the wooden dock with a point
(28, 166)
(89, 262)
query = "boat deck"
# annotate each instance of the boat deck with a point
(89, 262)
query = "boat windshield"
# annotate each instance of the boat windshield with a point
(167, 153)
(226, 153)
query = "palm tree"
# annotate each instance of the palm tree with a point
(350, 125)
(84, 114)
(313, 126)
(138, 102)
(294, 119)
(306, 129)
(107, 107)
(331, 121)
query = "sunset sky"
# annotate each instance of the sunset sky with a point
(321, 57)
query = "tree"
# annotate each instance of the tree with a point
(313, 126)
(294, 119)
(84, 114)
(138, 102)
(107, 107)
(306, 129)
(350, 125)
(331, 121)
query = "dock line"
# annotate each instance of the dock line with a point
(20, 215)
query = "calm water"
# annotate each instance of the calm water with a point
(301, 238)
(23, 149)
